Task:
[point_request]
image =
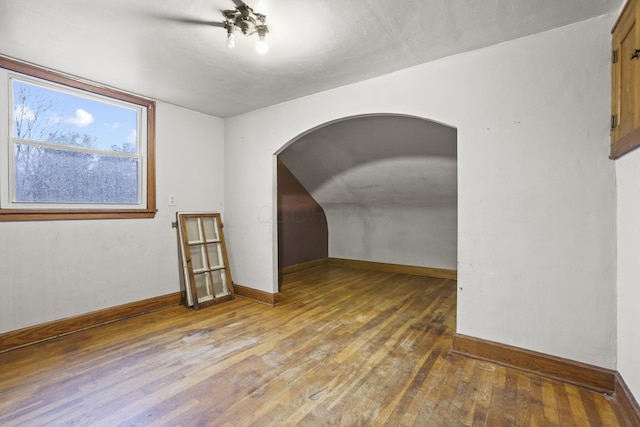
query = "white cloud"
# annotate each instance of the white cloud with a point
(115, 126)
(81, 119)
(131, 138)
(23, 112)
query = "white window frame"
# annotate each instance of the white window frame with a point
(145, 110)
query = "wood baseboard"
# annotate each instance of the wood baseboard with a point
(302, 266)
(565, 370)
(256, 295)
(626, 402)
(45, 331)
(439, 273)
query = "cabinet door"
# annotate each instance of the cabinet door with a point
(204, 259)
(625, 87)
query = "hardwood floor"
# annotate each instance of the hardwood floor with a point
(346, 347)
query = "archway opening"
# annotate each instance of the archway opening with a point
(374, 188)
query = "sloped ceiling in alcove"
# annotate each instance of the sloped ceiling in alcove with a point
(377, 160)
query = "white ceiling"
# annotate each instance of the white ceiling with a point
(161, 49)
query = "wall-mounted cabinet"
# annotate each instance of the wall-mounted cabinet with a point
(625, 82)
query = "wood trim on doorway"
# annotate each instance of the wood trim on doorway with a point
(256, 295)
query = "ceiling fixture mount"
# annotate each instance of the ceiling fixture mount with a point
(245, 20)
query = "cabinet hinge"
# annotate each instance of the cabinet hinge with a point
(614, 121)
(614, 56)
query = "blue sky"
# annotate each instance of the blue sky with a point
(109, 124)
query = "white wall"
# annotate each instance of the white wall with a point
(423, 236)
(536, 219)
(399, 210)
(628, 180)
(56, 269)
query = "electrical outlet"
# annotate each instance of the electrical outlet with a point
(172, 199)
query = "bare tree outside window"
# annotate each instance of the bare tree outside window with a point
(56, 161)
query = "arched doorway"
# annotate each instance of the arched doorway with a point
(379, 188)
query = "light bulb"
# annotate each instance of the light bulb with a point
(262, 46)
(231, 41)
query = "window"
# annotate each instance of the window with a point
(72, 150)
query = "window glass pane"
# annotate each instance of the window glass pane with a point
(220, 283)
(49, 175)
(203, 287)
(215, 255)
(197, 257)
(193, 229)
(45, 114)
(210, 229)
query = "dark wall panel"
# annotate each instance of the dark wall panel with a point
(302, 224)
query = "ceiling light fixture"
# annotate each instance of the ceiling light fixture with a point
(243, 19)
